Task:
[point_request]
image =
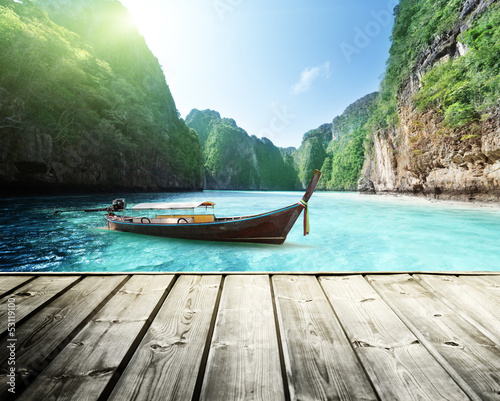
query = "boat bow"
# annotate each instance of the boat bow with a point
(271, 227)
(303, 202)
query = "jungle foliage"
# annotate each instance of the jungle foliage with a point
(417, 24)
(91, 75)
(235, 160)
(346, 153)
(464, 88)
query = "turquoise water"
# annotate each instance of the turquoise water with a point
(349, 232)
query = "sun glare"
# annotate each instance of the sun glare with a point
(162, 24)
(149, 17)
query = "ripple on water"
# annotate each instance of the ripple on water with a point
(349, 232)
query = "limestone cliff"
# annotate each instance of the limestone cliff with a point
(312, 153)
(84, 105)
(235, 160)
(426, 152)
(336, 148)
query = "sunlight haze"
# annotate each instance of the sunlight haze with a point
(278, 68)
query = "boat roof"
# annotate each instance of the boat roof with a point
(172, 205)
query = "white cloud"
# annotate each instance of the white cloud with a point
(309, 75)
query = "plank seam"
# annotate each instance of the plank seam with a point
(19, 322)
(428, 345)
(8, 292)
(348, 339)
(108, 389)
(206, 349)
(57, 350)
(464, 315)
(280, 343)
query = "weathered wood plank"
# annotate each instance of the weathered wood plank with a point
(33, 295)
(244, 363)
(469, 299)
(7, 283)
(85, 367)
(42, 336)
(398, 365)
(459, 345)
(489, 285)
(167, 361)
(320, 362)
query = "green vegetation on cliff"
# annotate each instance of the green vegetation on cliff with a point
(312, 152)
(463, 88)
(417, 24)
(235, 160)
(460, 88)
(434, 126)
(348, 153)
(81, 72)
(345, 154)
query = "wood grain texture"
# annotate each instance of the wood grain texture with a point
(398, 365)
(167, 361)
(84, 368)
(474, 302)
(42, 336)
(463, 347)
(34, 294)
(488, 285)
(320, 362)
(387, 337)
(243, 363)
(7, 283)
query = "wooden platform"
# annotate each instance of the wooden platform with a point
(251, 337)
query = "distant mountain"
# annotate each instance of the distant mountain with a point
(84, 104)
(337, 148)
(235, 160)
(312, 152)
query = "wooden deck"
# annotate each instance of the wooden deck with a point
(250, 337)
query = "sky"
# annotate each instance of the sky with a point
(277, 67)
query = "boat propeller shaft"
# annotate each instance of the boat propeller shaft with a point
(118, 205)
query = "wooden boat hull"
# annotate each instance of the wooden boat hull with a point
(269, 228)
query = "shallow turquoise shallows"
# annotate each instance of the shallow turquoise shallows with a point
(349, 232)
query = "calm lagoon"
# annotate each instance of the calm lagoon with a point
(349, 232)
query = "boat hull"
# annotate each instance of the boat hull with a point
(268, 228)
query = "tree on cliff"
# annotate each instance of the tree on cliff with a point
(235, 160)
(81, 75)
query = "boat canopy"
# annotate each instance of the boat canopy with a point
(172, 205)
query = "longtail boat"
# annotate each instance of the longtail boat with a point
(270, 228)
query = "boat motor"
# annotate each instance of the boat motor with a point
(118, 205)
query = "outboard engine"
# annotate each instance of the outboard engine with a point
(118, 205)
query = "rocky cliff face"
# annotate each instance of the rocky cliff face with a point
(235, 160)
(336, 148)
(312, 153)
(84, 105)
(422, 155)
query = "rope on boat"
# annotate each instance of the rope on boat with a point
(303, 203)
